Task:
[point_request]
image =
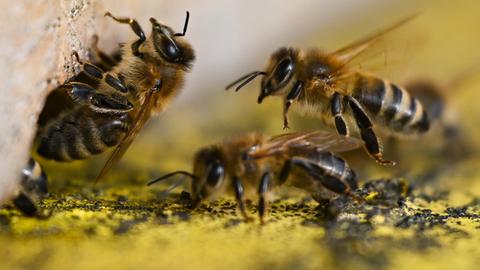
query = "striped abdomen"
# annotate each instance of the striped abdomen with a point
(391, 105)
(81, 133)
(331, 172)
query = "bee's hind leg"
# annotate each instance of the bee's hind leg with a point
(372, 143)
(292, 96)
(85, 94)
(96, 73)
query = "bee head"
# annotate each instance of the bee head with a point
(278, 74)
(210, 171)
(207, 177)
(171, 46)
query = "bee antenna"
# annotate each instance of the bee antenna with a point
(185, 25)
(248, 78)
(170, 175)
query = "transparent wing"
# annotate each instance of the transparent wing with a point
(303, 141)
(139, 121)
(377, 52)
(352, 50)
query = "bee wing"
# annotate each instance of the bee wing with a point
(140, 119)
(354, 49)
(303, 141)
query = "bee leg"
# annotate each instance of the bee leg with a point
(285, 172)
(238, 187)
(105, 104)
(337, 109)
(90, 70)
(104, 59)
(79, 92)
(113, 131)
(117, 84)
(262, 202)
(372, 143)
(85, 94)
(292, 96)
(25, 205)
(97, 73)
(136, 29)
(322, 174)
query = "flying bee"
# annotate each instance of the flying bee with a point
(112, 109)
(254, 163)
(327, 85)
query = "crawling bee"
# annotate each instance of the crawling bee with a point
(113, 108)
(324, 84)
(255, 162)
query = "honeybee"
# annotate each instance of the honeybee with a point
(325, 85)
(254, 163)
(112, 110)
(33, 187)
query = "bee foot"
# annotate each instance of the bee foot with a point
(379, 159)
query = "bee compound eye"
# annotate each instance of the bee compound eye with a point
(170, 50)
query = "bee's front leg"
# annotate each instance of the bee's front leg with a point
(136, 29)
(292, 96)
(239, 193)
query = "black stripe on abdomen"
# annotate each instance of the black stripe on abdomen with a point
(421, 124)
(409, 113)
(410, 116)
(370, 92)
(392, 106)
